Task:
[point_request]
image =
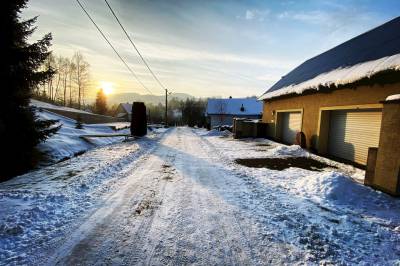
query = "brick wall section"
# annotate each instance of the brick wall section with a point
(387, 168)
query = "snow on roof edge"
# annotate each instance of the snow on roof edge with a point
(339, 76)
(394, 97)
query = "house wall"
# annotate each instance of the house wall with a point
(221, 120)
(311, 105)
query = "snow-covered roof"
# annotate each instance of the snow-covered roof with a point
(234, 106)
(127, 107)
(395, 97)
(363, 56)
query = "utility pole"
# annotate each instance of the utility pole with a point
(166, 106)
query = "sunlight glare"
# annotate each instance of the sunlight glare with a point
(107, 87)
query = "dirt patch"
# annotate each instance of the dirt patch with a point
(263, 145)
(283, 163)
(168, 178)
(147, 205)
(69, 174)
(168, 170)
(144, 205)
(166, 166)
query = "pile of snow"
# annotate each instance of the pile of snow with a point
(394, 97)
(117, 125)
(159, 129)
(288, 151)
(217, 133)
(340, 76)
(331, 186)
(66, 142)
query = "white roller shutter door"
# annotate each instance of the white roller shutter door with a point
(352, 132)
(291, 124)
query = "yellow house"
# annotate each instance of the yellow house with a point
(342, 100)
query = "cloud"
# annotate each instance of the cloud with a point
(315, 16)
(255, 14)
(163, 52)
(249, 15)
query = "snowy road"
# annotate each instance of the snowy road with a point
(187, 202)
(176, 209)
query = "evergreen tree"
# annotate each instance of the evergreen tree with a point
(101, 103)
(20, 129)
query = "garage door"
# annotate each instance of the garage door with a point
(352, 132)
(291, 124)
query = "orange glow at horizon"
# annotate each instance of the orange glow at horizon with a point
(107, 87)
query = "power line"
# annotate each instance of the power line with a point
(116, 52)
(134, 46)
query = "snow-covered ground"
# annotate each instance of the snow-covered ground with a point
(40, 104)
(40, 207)
(66, 142)
(179, 197)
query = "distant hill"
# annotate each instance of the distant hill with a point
(146, 98)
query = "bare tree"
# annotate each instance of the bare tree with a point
(58, 78)
(49, 65)
(71, 71)
(65, 77)
(81, 76)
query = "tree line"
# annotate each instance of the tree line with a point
(189, 112)
(68, 83)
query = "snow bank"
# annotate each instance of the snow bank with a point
(66, 142)
(340, 76)
(285, 151)
(216, 133)
(45, 105)
(330, 186)
(333, 188)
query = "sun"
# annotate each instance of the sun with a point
(107, 87)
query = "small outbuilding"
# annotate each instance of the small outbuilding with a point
(338, 100)
(220, 112)
(124, 110)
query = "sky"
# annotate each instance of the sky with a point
(204, 48)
